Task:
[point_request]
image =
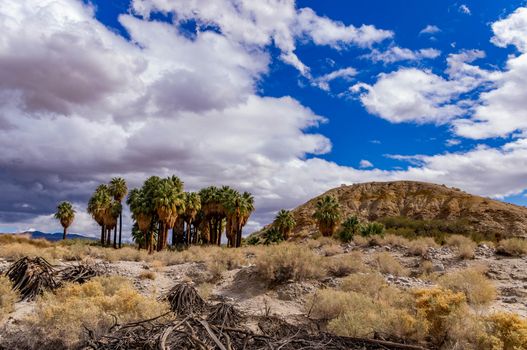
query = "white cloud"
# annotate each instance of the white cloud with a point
(262, 23)
(452, 142)
(364, 164)
(430, 29)
(465, 9)
(343, 73)
(411, 95)
(396, 54)
(511, 30)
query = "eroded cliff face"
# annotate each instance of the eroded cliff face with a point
(419, 200)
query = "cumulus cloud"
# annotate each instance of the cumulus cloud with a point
(430, 29)
(264, 22)
(397, 54)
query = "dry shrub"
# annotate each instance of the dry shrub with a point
(8, 297)
(426, 267)
(278, 264)
(327, 304)
(358, 315)
(59, 318)
(321, 242)
(205, 290)
(439, 309)
(360, 241)
(505, 331)
(364, 283)
(25, 239)
(147, 275)
(421, 245)
(331, 249)
(157, 265)
(478, 289)
(343, 265)
(395, 241)
(386, 263)
(513, 247)
(465, 246)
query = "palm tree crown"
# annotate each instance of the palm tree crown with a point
(66, 214)
(284, 222)
(327, 214)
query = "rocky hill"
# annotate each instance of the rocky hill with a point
(420, 201)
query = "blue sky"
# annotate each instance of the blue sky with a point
(284, 99)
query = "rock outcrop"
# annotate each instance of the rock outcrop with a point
(420, 201)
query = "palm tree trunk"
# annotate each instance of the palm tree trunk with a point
(160, 236)
(109, 237)
(102, 235)
(64, 233)
(115, 238)
(120, 227)
(189, 240)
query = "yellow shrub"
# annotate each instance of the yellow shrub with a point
(505, 331)
(386, 263)
(439, 308)
(326, 304)
(7, 297)
(477, 288)
(60, 318)
(513, 247)
(286, 261)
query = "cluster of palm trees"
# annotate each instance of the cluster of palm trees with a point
(328, 218)
(161, 204)
(65, 214)
(105, 207)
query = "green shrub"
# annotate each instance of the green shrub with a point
(372, 229)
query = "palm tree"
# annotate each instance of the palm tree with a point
(65, 213)
(142, 213)
(118, 190)
(350, 227)
(284, 222)
(327, 215)
(238, 208)
(192, 207)
(168, 203)
(98, 205)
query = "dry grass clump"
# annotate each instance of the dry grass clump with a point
(364, 283)
(343, 265)
(147, 275)
(465, 246)
(25, 239)
(386, 263)
(278, 264)
(60, 318)
(205, 290)
(426, 267)
(513, 247)
(359, 315)
(478, 289)
(395, 241)
(8, 297)
(421, 245)
(331, 249)
(360, 241)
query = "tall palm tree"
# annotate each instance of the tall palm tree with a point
(98, 206)
(284, 222)
(65, 213)
(168, 203)
(327, 215)
(238, 208)
(212, 202)
(142, 213)
(192, 207)
(118, 190)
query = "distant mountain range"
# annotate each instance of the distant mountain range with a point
(57, 236)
